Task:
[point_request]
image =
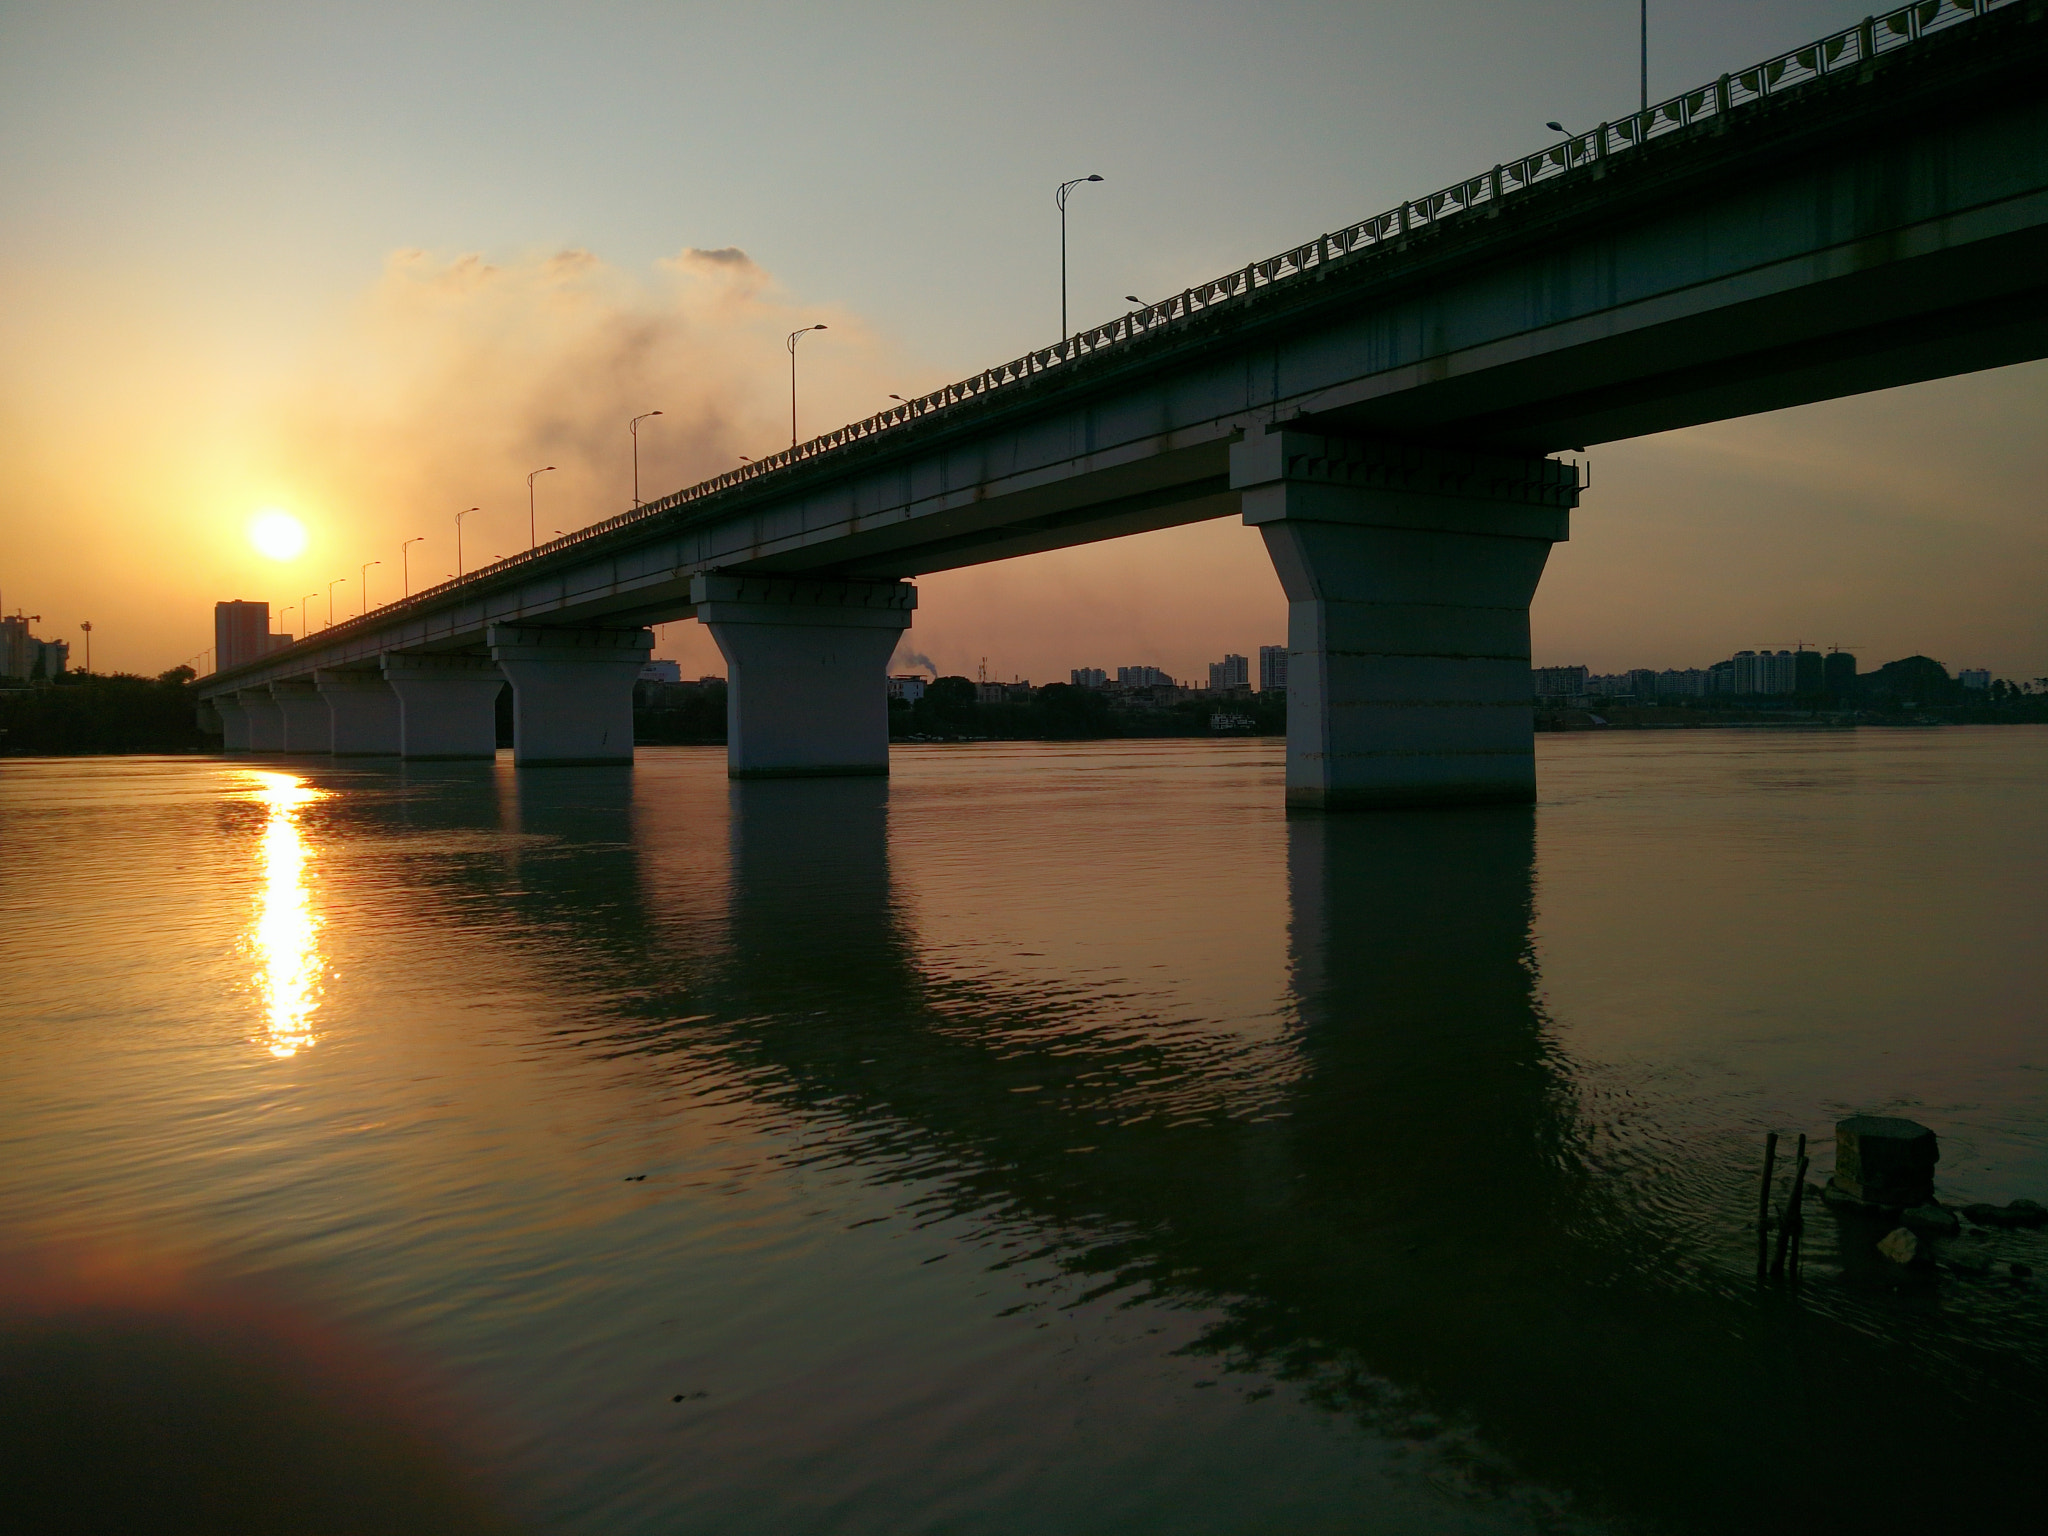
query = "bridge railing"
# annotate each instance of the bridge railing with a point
(1847, 49)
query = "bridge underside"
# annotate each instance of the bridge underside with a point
(1383, 419)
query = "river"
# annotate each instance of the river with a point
(1059, 1138)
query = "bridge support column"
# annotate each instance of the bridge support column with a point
(1408, 572)
(308, 727)
(447, 706)
(572, 692)
(806, 671)
(364, 711)
(265, 720)
(234, 723)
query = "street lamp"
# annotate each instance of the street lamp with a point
(366, 584)
(791, 344)
(531, 541)
(405, 561)
(287, 608)
(1060, 197)
(330, 598)
(633, 427)
(458, 538)
(87, 627)
(307, 609)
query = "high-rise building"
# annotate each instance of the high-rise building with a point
(241, 633)
(1766, 672)
(1089, 677)
(1809, 673)
(1688, 683)
(1838, 674)
(1142, 677)
(1974, 677)
(1557, 682)
(25, 658)
(907, 686)
(1272, 669)
(1233, 671)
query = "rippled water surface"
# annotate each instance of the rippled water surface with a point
(1059, 1138)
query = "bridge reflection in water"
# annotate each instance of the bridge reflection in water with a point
(1401, 1208)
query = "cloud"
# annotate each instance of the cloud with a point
(456, 376)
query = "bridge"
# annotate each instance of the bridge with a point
(1385, 403)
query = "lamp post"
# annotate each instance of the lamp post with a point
(306, 608)
(405, 561)
(366, 584)
(531, 541)
(287, 608)
(458, 539)
(791, 344)
(87, 627)
(1060, 197)
(330, 598)
(633, 427)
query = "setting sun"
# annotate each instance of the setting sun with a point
(277, 534)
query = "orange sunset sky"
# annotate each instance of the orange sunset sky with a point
(370, 265)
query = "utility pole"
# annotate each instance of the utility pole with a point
(531, 541)
(1643, 7)
(791, 344)
(458, 539)
(633, 427)
(1060, 197)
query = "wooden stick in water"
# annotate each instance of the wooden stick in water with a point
(1796, 1219)
(1763, 1206)
(1791, 1205)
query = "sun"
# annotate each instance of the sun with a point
(277, 534)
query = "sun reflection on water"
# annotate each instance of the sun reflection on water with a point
(286, 933)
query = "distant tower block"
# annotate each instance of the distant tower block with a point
(1885, 1161)
(241, 633)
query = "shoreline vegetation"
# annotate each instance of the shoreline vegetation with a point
(81, 714)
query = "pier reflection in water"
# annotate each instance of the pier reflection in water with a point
(1042, 1140)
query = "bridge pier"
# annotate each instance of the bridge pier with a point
(447, 705)
(1408, 572)
(265, 720)
(364, 711)
(234, 722)
(308, 727)
(572, 692)
(806, 671)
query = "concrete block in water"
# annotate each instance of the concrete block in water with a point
(1932, 1221)
(1885, 1161)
